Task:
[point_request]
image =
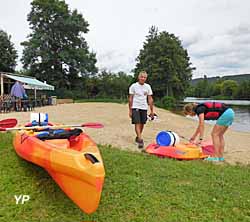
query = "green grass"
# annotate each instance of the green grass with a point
(138, 187)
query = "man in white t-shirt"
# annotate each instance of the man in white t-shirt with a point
(140, 95)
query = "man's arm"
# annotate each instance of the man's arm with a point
(151, 105)
(130, 102)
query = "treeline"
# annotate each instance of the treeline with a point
(220, 89)
(106, 85)
(238, 78)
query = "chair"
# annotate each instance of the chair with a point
(27, 105)
(6, 103)
(44, 100)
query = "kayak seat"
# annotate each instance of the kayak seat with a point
(52, 134)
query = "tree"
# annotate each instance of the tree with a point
(167, 63)
(109, 85)
(243, 90)
(216, 89)
(8, 53)
(56, 50)
(203, 88)
(190, 91)
(229, 87)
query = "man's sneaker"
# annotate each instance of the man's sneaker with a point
(137, 139)
(143, 150)
(140, 144)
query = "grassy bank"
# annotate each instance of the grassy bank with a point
(138, 187)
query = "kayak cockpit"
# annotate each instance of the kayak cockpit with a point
(59, 143)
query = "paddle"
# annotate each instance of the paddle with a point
(183, 137)
(8, 123)
(87, 125)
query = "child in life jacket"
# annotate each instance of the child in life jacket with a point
(224, 117)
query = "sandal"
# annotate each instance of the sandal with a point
(215, 159)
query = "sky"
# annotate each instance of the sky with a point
(216, 33)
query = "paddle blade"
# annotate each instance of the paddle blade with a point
(93, 125)
(8, 123)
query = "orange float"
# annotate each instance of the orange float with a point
(74, 163)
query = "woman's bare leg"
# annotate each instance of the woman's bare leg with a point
(218, 140)
(222, 141)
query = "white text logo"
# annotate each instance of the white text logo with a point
(21, 198)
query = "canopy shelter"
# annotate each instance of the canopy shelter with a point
(29, 82)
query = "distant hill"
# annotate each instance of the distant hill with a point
(237, 78)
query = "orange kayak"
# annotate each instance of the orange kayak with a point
(74, 163)
(179, 151)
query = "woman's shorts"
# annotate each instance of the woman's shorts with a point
(226, 119)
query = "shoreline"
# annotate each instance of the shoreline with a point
(119, 132)
(226, 101)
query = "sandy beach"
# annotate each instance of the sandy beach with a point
(119, 132)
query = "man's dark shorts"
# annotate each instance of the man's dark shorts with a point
(139, 116)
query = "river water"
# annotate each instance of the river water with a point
(242, 112)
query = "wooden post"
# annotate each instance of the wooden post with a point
(35, 97)
(2, 86)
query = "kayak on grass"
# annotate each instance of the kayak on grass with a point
(71, 158)
(179, 151)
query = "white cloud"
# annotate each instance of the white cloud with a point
(222, 54)
(216, 33)
(117, 60)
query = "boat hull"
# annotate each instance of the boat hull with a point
(68, 163)
(180, 151)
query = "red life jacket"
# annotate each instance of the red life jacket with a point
(213, 110)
